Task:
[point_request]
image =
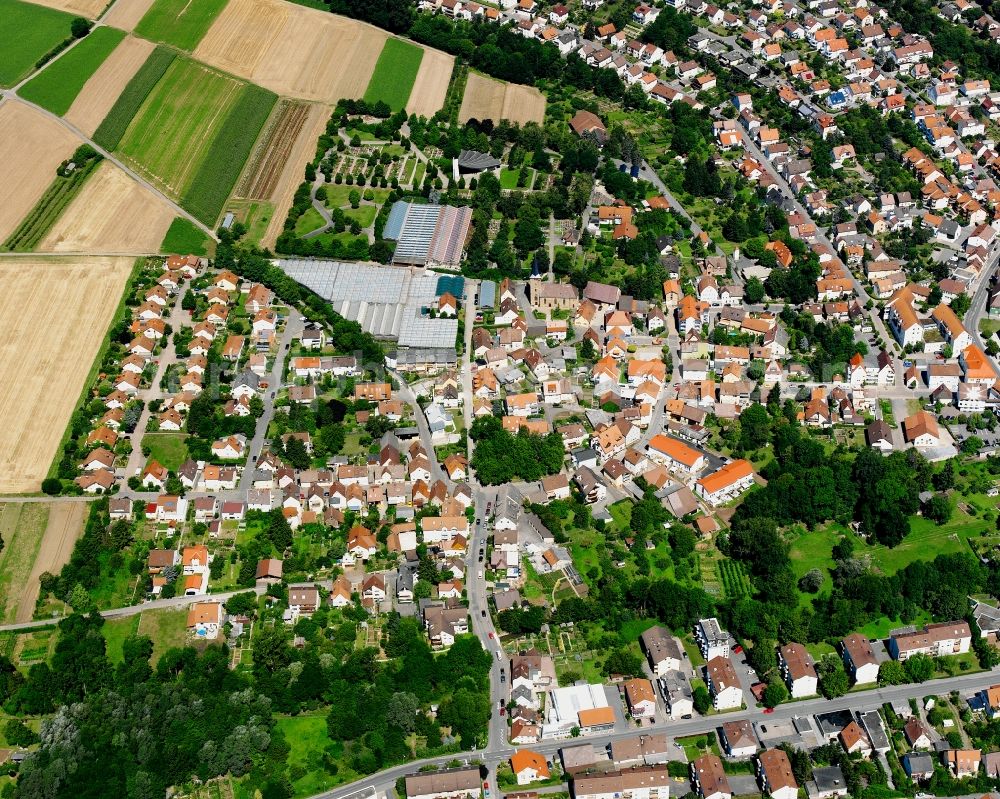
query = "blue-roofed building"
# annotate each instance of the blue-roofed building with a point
(394, 224)
(837, 99)
(453, 284)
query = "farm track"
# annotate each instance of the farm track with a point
(260, 179)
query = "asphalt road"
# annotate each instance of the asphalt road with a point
(858, 701)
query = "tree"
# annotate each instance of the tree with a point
(919, 667)
(753, 291)
(972, 445)
(296, 453)
(401, 711)
(623, 662)
(52, 486)
(833, 680)
(811, 581)
(938, 509)
(79, 27)
(891, 672)
(775, 694)
(354, 198)
(701, 700)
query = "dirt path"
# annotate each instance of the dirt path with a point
(64, 526)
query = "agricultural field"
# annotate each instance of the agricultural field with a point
(431, 86)
(181, 23)
(22, 525)
(112, 213)
(57, 86)
(126, 14)
(486, 98)
(184, 237)
(109, 130)
(181, 115)
(274, 169)
(193, 133)
(91, 9)
(293, 50)
(28, 32)
(49, 208)
(395, 73)
(100, 93)
(32, 146)
(42, 377)
(65, 524)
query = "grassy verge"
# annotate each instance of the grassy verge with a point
(181, 23)
(56, 87)
(36, 225)
(28, 32)
(395, 73)
(109, 133)
(227, 154)
(184, 238)
(88, 383)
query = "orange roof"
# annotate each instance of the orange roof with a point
(524, 759)
(674, 449)
(595, 716)
(726, 476)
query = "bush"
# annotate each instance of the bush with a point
(52, 486)
(80, 27)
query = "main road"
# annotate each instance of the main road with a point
(855, 701)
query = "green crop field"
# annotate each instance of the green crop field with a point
(184, 238)
(230, 147)
(176, 126)
(28, 32)
(56, 87)
(181, 23)
(395, 73)
(109, 133)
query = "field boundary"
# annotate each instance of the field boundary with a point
(42, 218)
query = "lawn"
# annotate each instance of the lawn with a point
(621, 513)
(166, 628)
(308, 222)
(184, 238)
(181, 23)
(394, 75)
(167, 448)
(115, 631)
(28, 32)
(989, 326)
(338, 195)
(56, 87)
(364, 214)
(22, 526)
(309, 743)
(171, 134)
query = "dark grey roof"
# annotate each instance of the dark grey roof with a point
(475, 160)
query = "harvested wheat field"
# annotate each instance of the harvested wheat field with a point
(293, 50)
(31, 147)
(486, 98)
(112, 213)
(125, 14)
(99, 94)
(64, 526)
(90, 9)
(279, 172)
(73, 300)
(431, 85)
